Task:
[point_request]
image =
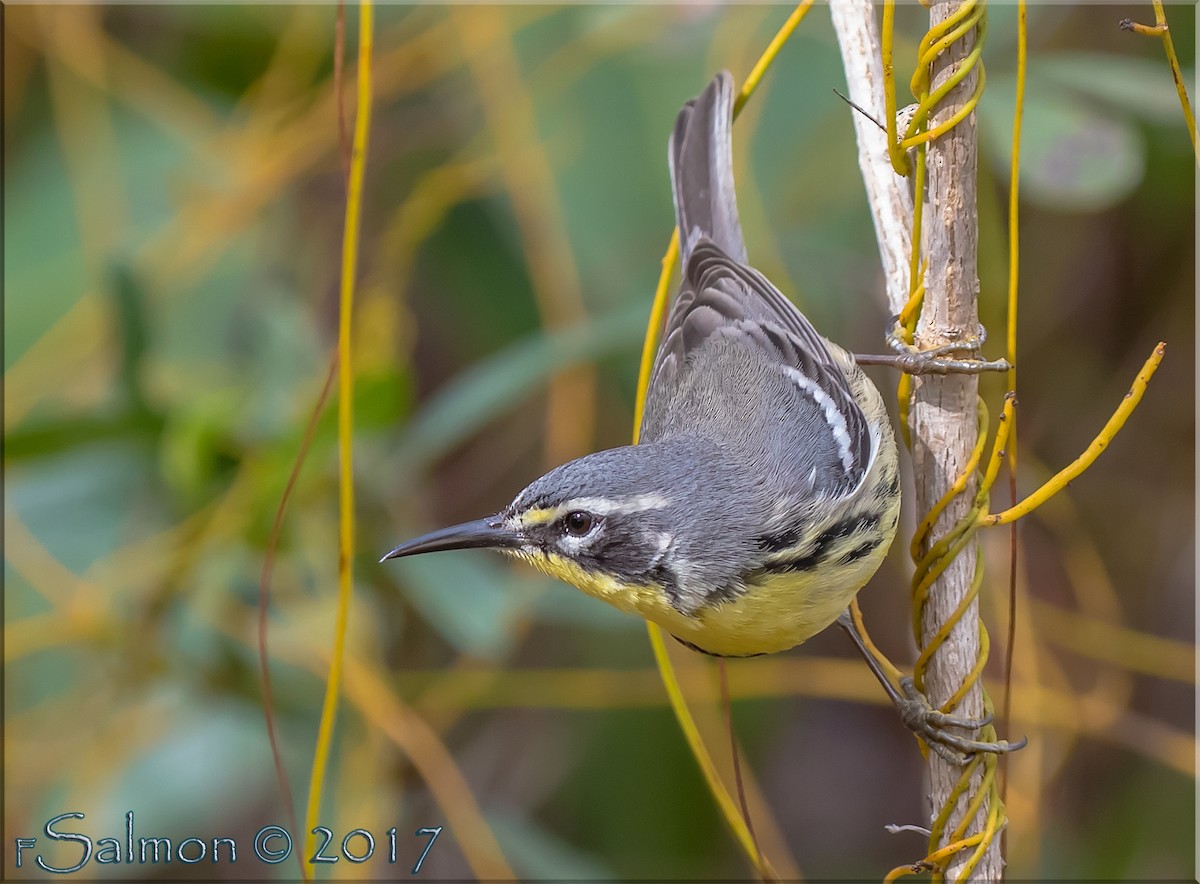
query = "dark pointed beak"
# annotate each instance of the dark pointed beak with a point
(489, 533)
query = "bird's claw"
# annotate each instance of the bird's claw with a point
(936, 360)
(930, 725)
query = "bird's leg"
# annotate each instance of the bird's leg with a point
(919, 716)
(909, 359)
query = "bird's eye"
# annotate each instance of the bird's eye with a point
(579, 523)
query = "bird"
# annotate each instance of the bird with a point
(764, 491)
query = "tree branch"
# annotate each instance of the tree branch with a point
(944, 425)
(943, 415)
(888, 193)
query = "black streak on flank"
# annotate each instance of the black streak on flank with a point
(820, 547)
(785, 540)
(800, 563)
(859, 551)
(776, 543)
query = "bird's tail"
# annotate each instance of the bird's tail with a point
(701, 159)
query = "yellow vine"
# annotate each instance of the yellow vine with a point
(934, 562)
(1160, 29)
(687, 724)
(971, 16)
(1065, 476)
(358, 161)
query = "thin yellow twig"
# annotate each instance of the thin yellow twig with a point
(1014, 177)
(1160, 29)
(926, 524)
(358, 160)
(683, 715)
(1093, 451)
(264, 595)
(970, 16)
(890, 668)
(1014, 273)
(650, 344)
(666, 670)
(895, 153)
(768, 57)
(911, 310)
(691, 733)
(999, 447)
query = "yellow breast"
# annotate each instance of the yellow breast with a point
(773, 615)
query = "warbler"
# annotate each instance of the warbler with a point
(765, 489)
(764, 492)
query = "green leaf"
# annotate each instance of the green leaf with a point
(1074, 158)
(1140, 86)
(85, 502)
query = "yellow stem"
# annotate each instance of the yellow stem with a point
(1160, 16)
(1014, 177)
(897, 155)
(927, 523)
(890, 668)
(695, 742)
(768, 57)
(649, 346)
(358, 161)
(686, 723)
(1160, 29)
(999, 449)
(1093, 451)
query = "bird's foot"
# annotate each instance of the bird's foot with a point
(941, 360)
(931, 726)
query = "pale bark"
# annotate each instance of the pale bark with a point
(944, 408)
(887, 193)
(944, 427)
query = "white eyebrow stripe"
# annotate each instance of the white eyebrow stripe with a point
(833, 414)
(602, 506)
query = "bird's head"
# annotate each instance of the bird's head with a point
(601, 523)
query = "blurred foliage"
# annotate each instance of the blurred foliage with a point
(173, 208)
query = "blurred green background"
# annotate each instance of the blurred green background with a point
(173, 215)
